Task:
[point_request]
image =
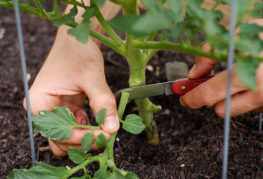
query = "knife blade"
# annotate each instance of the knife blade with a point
(179, 87)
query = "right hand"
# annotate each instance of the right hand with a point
(71, 72)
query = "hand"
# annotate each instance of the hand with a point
(213, 91)
(71, 72)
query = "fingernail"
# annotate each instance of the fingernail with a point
(110, 123)
(181, 101)
(190, 75)
(192, 72)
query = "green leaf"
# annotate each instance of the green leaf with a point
(68, 18)
(133, 124)
(250, 30)
(257, 10)
(101, 116)
(242, 9)
(90, 12)
(86, 142)
(100, 3)
(64, 20)
(101, 141)
(73, 11)
(77, 156)
(123, 23)
(81, 32)
(246, 71)
(193, 9)
(101, 174)
(41, 171)
(55, 126)
(83, 177)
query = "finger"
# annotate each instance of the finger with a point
(77, 135)
(56, 150)
(81, 117)
(100, 96)
(211, 92)
(202, 65)
(240, 103)
(65, 147)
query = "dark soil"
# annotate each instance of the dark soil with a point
(191, 140)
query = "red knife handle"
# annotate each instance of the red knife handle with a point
(182, 86)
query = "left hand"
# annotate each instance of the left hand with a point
(213, 91)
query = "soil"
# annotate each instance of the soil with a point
(191, 140)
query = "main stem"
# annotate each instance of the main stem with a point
(137, 61)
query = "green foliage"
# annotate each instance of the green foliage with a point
(55, 126)
(67, 19)
(77, 156)
(133, 124)
(41, 171)
(163, 25)
(246, 71)
(101, 141)
(86, 142)
(81, 32)
(101, 116)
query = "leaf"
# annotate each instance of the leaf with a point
(250, 30)
(193, 9)
(83, 177)
(55, 126)
(246, 71)
(257, 10)
(100, 174)
(67, 19)
(86, 142)
(101, 141)
(77, 156)
(101, 116)
(123, 23)
(81, 32)
(90, 12)
(100, 3)
(133, 124)
(41, 171)
(64, 20)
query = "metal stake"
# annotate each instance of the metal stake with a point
(260, 122)
(230, 61)
(23, 64)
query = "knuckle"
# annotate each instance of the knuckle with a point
(219, 111)
(103, 101)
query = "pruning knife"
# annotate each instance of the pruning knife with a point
(179, 87)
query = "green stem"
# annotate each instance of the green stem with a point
(178, 47)
(105, 25)
(82, 165)
(107, 41)
(55, 7)
(40, 8)
(123, 102)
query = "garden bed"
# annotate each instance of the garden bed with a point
(191, 140)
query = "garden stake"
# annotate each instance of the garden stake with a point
(230, 60)
(23, 65)
(260, 122)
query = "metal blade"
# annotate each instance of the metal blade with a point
(149, 90)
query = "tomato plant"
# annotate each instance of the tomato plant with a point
(164, 25)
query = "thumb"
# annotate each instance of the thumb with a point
(100, 96)
(202, 65)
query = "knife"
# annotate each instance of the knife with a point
(179, 87)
